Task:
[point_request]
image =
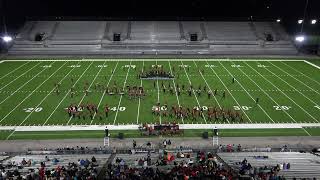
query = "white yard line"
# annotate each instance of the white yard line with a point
(284, 93)
(314, 65)
(124, 84)
(158, 87)
(138, 113)
(229, 92)
(264, 91)
(158, 93)
(316, 91)
(104, 92)
(15, 69)
(94, 79)
(301, 73)
(66, 95)
(306, 131)
(208, 86)
(20, 76)
(175, 88)
(184, 68)
(21, 86)
(247, 91)
(294, 88)
(49, 93)
(31, 94)
(181, 126)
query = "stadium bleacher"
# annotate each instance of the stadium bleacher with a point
(302, 165)
(161, 37)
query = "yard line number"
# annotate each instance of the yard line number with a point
(116, 108)
(236, 65)
(102, 66)
(75, 66)
(280, 108)
(46, 66)
(210, 66)
(164, 108)
(29, 110)
(245, 108)
(129, 66)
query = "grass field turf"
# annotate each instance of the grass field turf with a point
(288, 90)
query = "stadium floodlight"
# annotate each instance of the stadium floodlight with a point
(7, 39)
(313, 21)
(300, 38)
(278, 20)
(300, 21)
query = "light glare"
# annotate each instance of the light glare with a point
(7, 38)
(300, 38)
(313, 21)
(300, 21)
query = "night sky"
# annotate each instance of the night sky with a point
(161, 8)
(16, 11)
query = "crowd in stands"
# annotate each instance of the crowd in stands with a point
(82, 169)
(182, 166)
(264, 173)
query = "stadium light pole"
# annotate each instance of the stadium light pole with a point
(304, 15)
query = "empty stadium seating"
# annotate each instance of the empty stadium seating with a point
(302, 165)
(162, 37)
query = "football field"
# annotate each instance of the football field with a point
(254, 91)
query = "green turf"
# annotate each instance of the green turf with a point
(288, 91)
(42, 135)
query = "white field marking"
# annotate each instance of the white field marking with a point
(20, 76)
(66, 95)
(301, 73)
(207, 85)
(204, 118)
(295, 79)
(124, 84)
(14, 70)
(314, 65)
(138, 113)
(152, 60)
(247, 91)
(158, 86)
(30, 95)
(284, 94)
(10, 135)
(61, 127)
(48, 94)
(31, 92)
(21, 86)
(94, 79)
(230, 93)
(175, 88)
(306, 131)
(268, 96)
(104, 92)
(295, 88)
(158, 91)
